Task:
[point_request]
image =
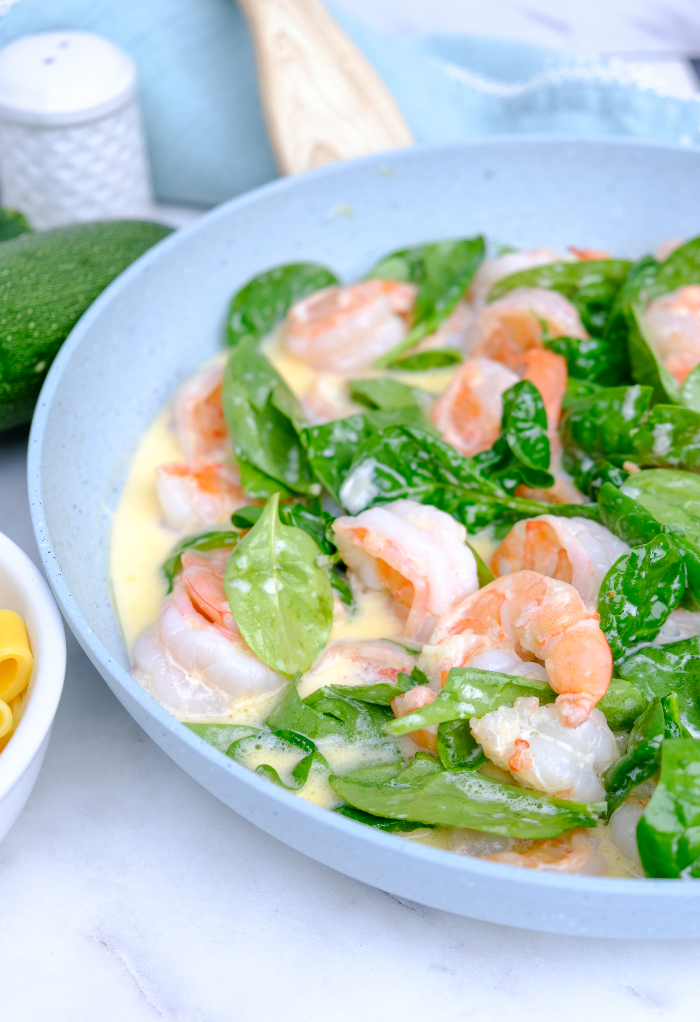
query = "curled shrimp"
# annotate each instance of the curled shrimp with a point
(543, 753)
(547, 371)
(488, 652)
(344, 329)
(547, 618)
(575, 852)
(573, 550)
(468, 413)
(415, 699)
(194, 660)
(512, 325)
(416, 552)
(198, 493)
(493, 270)
(356, 662)
(199, 416)
(673, 325)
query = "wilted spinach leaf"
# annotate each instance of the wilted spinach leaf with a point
(669, 436)
(668, 834)
(470, 692)
(442, 271)
(213, 540)
(362, 721)
(265, 300)
(434, 358)
(641, 761)
(639, 592)
(594, 359)
(606, 423)
(264, 417)
(380, 822)
(386, 394)
(332, 447)
(280, 598)
(457, 747)
(626, 518)
(521, 453)
(426, 792)
(660, 670)
(622, 704)
(222, 736)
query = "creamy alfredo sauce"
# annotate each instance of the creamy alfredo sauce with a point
(140, 543)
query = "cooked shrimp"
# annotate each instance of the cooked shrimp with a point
(198, 493)
(356, 662)
(452, 332)
(544, 753)
(469, 649)
(547, 371)
(588, 254)
(199, 416)
(514, 324)
(344, 329)
(573, 550)
(577, 851)
(493, 270)
(468, 413)
(548, 618)
(194, 660)
(673, 325)
(412, 700)
(416, 552)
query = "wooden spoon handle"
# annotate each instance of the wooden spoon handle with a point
(323, 101)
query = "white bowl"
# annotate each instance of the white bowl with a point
(24, 590)
(165, 315)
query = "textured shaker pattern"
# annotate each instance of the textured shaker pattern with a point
(96, 170)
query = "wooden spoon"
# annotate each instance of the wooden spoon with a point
(323, 101)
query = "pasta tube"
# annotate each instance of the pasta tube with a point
(16, 660)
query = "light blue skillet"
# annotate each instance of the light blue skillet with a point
(164, 316)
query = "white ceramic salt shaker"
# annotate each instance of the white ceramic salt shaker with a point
(71, 142)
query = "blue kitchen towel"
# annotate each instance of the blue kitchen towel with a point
(204, 123)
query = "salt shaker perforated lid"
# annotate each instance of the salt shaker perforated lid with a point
(71, 142)
(63, 78)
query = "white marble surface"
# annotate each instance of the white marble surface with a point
(127, 892)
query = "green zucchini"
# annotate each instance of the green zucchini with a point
(47, 281)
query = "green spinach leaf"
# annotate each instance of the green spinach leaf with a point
(622, 704)
(471, 692)
(641, 761)
(213, 540)
(266, 299)
(332, 447)
(669, 436)
(577, 392)
(625, 517)
(443, 272)
(660, 670)
(362, 721)
(457, 747)
(243, 751)
(639, 592)
(434, 358)
(222, 736)
(607, 422)
(521, 453)
(646, 367)
(380, 822)
(425, 792)
(382, 693)
(668, 834)
(593, 359)
(280, 598)
(264, 417)
(385, 394)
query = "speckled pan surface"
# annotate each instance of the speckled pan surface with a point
(164, 316)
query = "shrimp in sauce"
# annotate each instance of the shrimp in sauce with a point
(547, 618)
(468, 413)
(573, 550)
(509, 327)
(199, 416)
(673, 325)
(344, 329)
(416, 552)
(198, 493)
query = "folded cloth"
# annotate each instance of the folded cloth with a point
(201, 106)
